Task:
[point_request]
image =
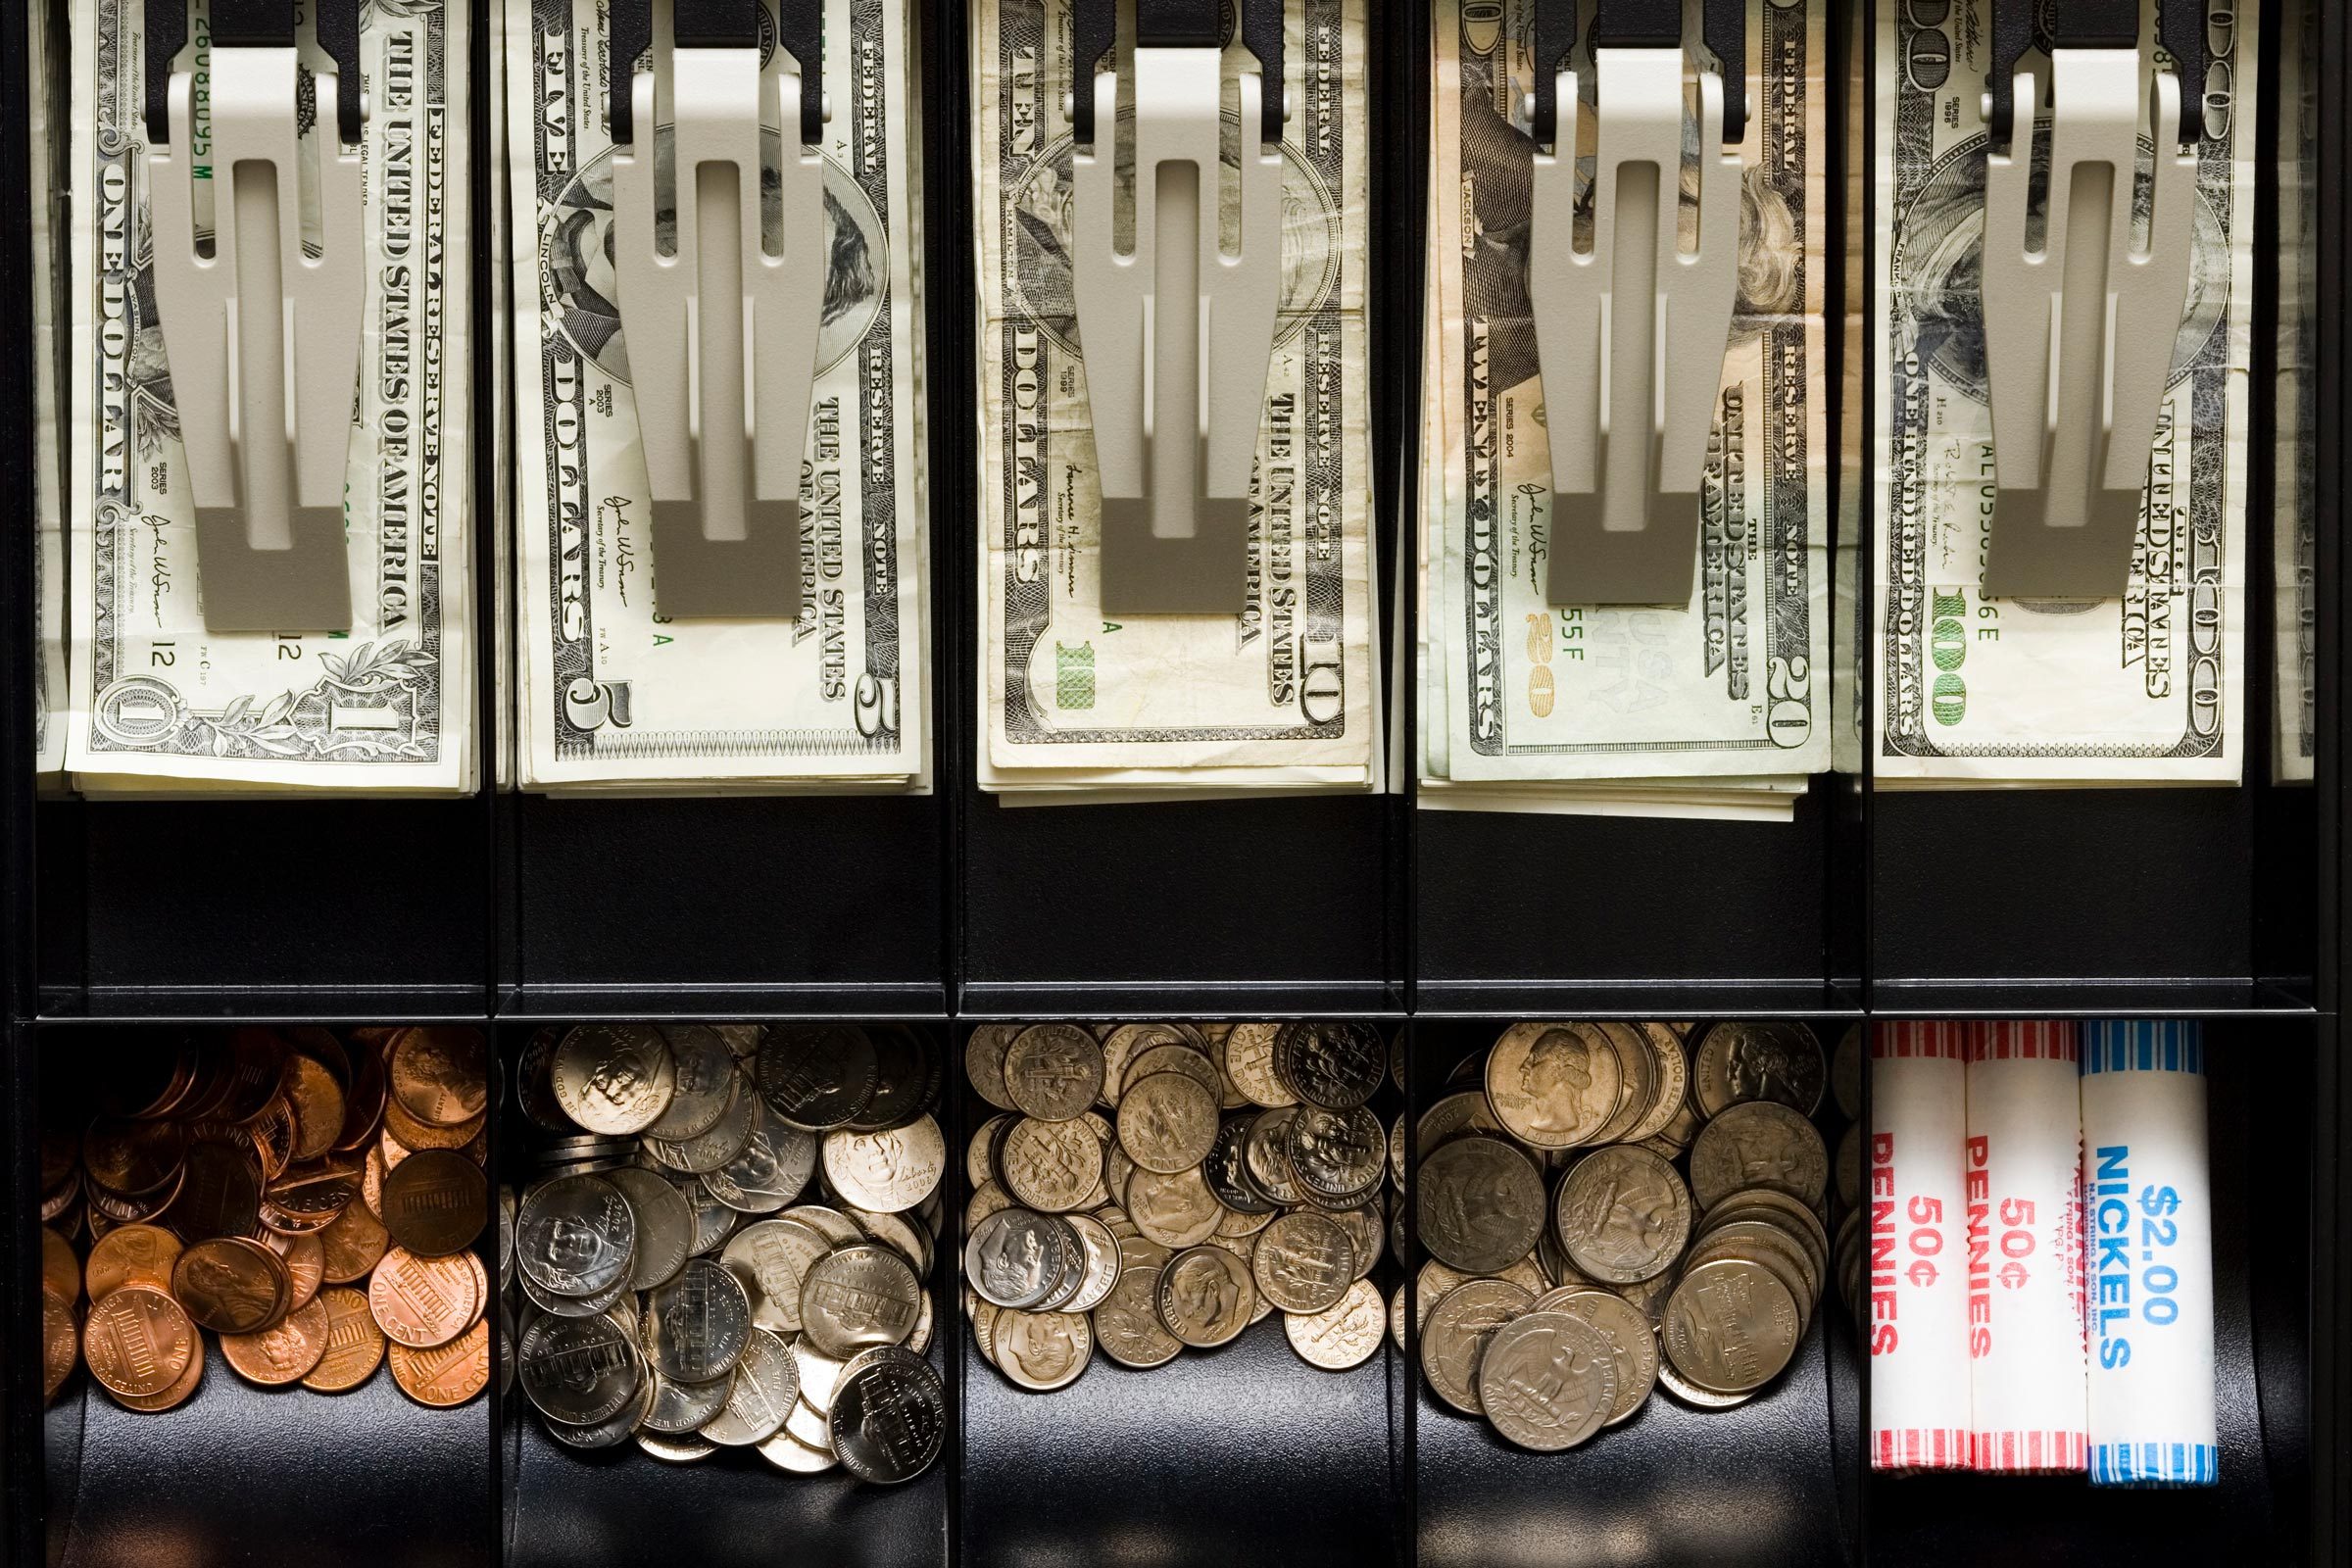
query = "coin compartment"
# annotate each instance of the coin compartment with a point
(620, 1508)
(2263, 1082)
(363, 1478)
(1240, 1454)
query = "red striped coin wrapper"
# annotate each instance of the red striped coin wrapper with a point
(2022, 1172)
(1918, 1329)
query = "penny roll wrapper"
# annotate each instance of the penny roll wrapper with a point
(2021, 1165)
(1919, 1373)
(2148, 1234)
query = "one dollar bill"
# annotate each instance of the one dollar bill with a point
(2144, 688)
(1286, 693)
(158, 701)
(612, 694)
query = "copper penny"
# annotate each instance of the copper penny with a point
(281, 1354)
(61, 1343)
(131, 1254)
(436, 1201)
(315, 1099)
(306, 1264)
(411, 1133)
(307, 1199)
(354, 1345)
(138, 1342)
(176, 1394)
(221, 1194)
(363, 1103)
(424, 1302)
(230, 1285)
(60, 1270)
(440, 1076)
(447, 1374)
(372, 1174)
(119, 1210)
(131, 1157)
(352, 1245)
(257, 1063)
(273, 1134)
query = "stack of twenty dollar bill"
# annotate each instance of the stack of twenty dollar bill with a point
(1075, 705)
(1720, 708)
(156, 702)
(612, 696)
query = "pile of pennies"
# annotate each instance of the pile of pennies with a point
(1609, 1206)
(308, 1199)
(1152, 1188)
(725, 1240)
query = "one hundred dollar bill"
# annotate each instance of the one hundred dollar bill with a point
(1728, 696)
(1287, 693)
(612, 694)
(2145, 688)
(158, 701)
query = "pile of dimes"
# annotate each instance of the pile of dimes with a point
(725, 1240)
(1152, 1188)
(1609, 1206)
(308, 1199)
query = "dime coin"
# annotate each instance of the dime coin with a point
(1546, 1381)
(1730, 1326)
(354, 1345)
(1177, 1211)
(424, 1302)
(59, 1342)
(1205, 1297)
(1758, 1143)
(613, 1079)
(762, 1395)
(664, 1222)
(1053, 1071)
(889, 1417)
(817, 1076)
(1016, 1257)
(695, 1327)
(772, 1257)
(1167, 1122)
(1175, 1056)
(1338, 1158)
(1052, 1165)
(1103, 1260)
(1266, 1158)
(231, 1286)
(1250, 1063)
(1625, 1329)
(1336, 1065)
(980, 1152)
(1738, 1062)
(1344, 1334)
(435, 1202)
(284, 1352)
(1305, 1263)
(1455, 1336)
(1481, 1204)
(984, 1061)
(858, 1298)
(1128, 1325)
(1041, 1350)
(580, 1371)
(130, 1255)
(138, 1342)
(440, 1075)
(887, 1172)
(1124, 1043)
(1224, 1169)
(702, 1078)
(1553, 1085)
(1622, 1215)
(575, 1236)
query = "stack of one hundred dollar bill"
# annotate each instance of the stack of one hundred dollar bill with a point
(1075, 705)
(158, 704)
(612, 697)
(1970, 692)
(1717, 709)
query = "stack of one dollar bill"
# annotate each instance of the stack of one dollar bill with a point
(1076, 705)
(1720, 708)
(613, 697)
(44, 75)
(158, 704)
(1974, 692)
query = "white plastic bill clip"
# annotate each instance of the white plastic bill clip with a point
(1177, 330)
(2079, 324)
(262, 338)
(1631, 332)
(721, 326)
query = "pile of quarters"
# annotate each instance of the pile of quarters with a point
(307, 1197)
(1611, 1206)
(1150, 1188)
(724, 1240)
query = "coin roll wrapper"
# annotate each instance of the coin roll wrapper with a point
(1917, 1325)
(2025, 1274)
(2149, 1255)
